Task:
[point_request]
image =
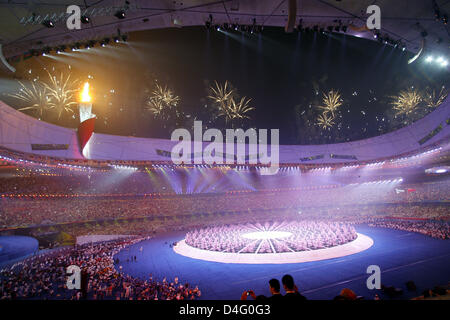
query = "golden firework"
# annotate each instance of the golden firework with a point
(155, 106)
(406, 102)
(237, 109)
(36, 97)
(161, 101)
(325, 121)
(331, 102)
(229, 104)
(221, 94)
(61, 93)
(166, 96)
(432, 100)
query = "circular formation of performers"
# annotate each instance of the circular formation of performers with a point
(305, 235)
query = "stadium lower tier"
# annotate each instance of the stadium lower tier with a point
(148, 268)
(25, 212)
(428, 219)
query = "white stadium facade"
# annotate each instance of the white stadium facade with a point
(25, 134)
(416, 32)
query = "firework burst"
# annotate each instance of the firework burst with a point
(166, 96)
(61, 93)
(161, 101)
(221, 94)
(36, 97)
(325, 121)
(236, 110)
(406, 102)
(432, 100)
(331, 102)
(155, 106)
(229, 104)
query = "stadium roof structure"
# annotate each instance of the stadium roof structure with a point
(412, 23)
(22, 133)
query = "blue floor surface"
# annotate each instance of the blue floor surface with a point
(16, 247)
(401, 255)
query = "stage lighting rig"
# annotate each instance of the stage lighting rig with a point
(61, 49)
(90, 44)
(34, 52)
(46, 51)
(85, 20)
(105, 42)
(253, 28)
(440, 61)
(48, 24)
(244, 28)
(208, 23)
(120, 14)
(437, 15)
(300, 25)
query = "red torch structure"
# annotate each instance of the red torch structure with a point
(87, 119)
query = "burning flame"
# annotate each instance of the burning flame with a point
(85, 97)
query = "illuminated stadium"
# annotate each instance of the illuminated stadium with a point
(197, 152)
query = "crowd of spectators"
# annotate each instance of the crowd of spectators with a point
(40, 182)
(82, 198)
(435, 229)
(79, 183)
(44, 277)
(36, 211)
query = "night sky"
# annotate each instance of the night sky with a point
(284, 75)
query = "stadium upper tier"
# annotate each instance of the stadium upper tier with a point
(22, 133)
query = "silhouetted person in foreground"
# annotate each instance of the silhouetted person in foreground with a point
(346, 294)
(291, 289)
(84, 283)
(274, 286)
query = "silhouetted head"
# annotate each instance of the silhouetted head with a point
(274, 286)
(288, 282)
